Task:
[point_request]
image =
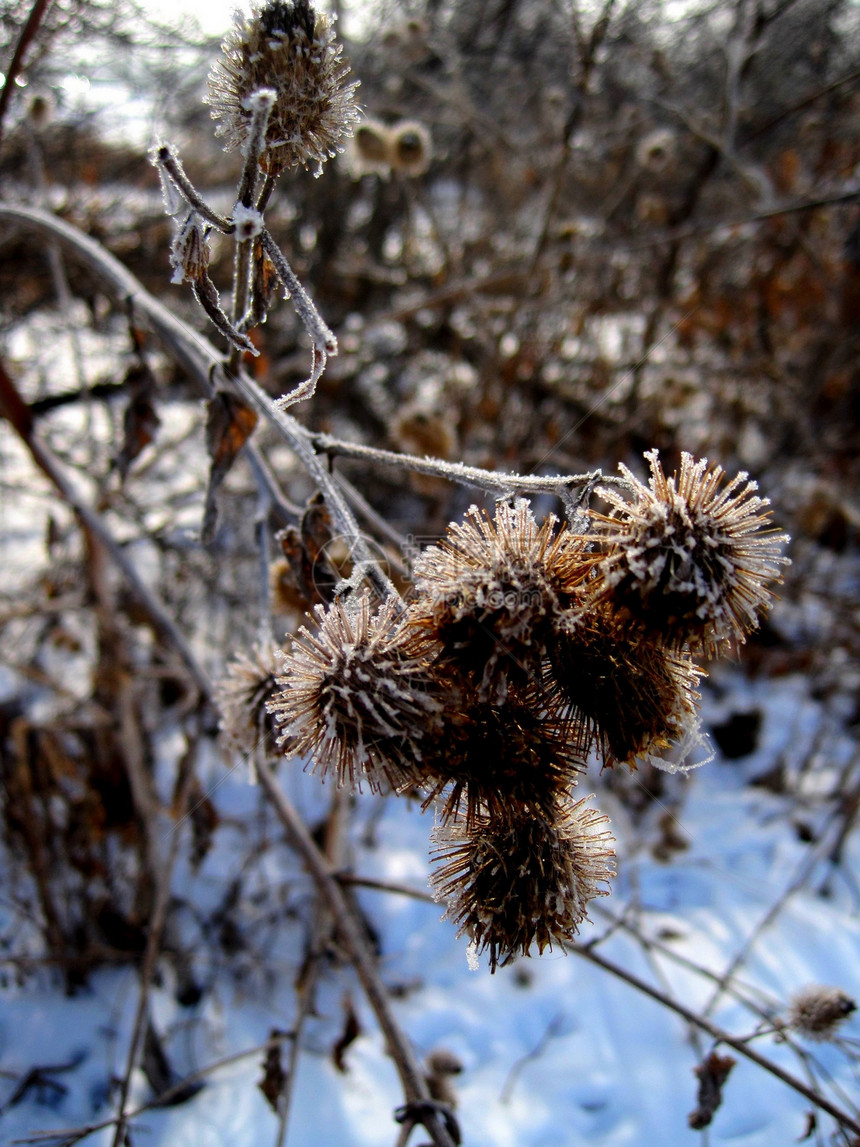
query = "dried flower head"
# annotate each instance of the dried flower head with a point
(817, 1012)
(242, 697)
(356, 694)
(490, 592)
(526, 881)
(689, 557)
(410, 148)
(623, 691)
(371, 148)
(286, 46)
(498, 760)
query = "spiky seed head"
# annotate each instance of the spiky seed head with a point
(817, 1012)
(411, 149)
(498, 760)
(691, 557)
(518, 883)
(623, 692)
(286, 46)
(356, 694)
(242, 696)
(489, 592)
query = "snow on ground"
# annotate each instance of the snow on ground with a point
(555, 1051)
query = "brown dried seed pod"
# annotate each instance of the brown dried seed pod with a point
(489, 593)
(624, 692)
(357, 695)
(287, 47)
(372, 143)
(689, 557)
(524, 881)
(498, 760)
(817, 1012)
(242, 697)
(411, 149)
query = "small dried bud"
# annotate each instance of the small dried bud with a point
(410, 148)
(287, 47)
(689, 560)
(657, 150)
(490, 591)
(439, 1066)
(523, 881)
(712, 1074)
(242, 698)
(371, 148)
(247, 221)
(356, 694)
(817, 1012)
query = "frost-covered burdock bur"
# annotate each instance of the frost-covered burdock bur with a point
(817, 1012)
(523, 647)
(356, 695)
(290, 49)
(523, 881)
(281, 92)
(690, 558)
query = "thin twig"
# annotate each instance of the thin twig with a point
(496, 482)
(350, 932)
(166, 158)
(150, 956)
(15, 410)
(28, 34)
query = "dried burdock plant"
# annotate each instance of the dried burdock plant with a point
(356, 695)
(497, 761)
(490, 593)
(371, 148)
(523, 881)
(281, 92)
(242, 697)
(817, 1012)
(622, 691)
(287, 47)
(410, 148)
(692, 558)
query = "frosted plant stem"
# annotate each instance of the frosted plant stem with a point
(497, 482)
(191, 351)
(321, 336)
(350, 933)
(321, 934)
(300, 442)
(261, 106)
(169, 162)
(150, 956)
